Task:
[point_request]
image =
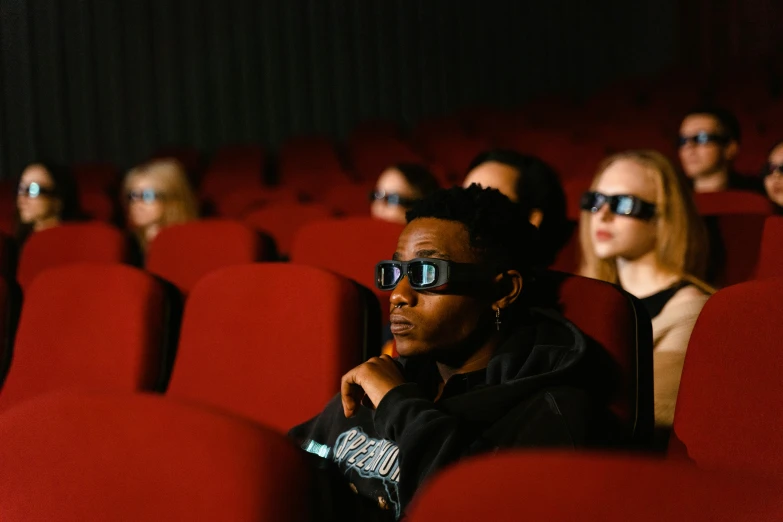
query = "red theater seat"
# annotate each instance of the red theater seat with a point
(269, 342)
(349, 199)
(735, 239)
(238, 203)
(95, 176)
(616, 326)
(89, 326)
(183, 254)
(90, 242)
(97, 205)
(350, 247)
(563, 487)
(732, 202)
(117, 458)
(771, 256)
(232, 169)
(730, 404)
(282, 220)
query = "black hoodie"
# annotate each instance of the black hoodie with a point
(531, 394)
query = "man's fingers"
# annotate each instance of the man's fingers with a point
(351, 393)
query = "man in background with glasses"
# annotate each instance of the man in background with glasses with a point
(709, 142)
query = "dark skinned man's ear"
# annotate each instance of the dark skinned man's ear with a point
(509, 287)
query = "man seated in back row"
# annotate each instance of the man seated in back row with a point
(480, 368)
(709, 143)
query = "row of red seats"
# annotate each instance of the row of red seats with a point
(182, 254)
(68, 435)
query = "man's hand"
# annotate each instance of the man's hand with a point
(374, 379)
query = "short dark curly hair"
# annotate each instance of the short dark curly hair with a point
(498, 228)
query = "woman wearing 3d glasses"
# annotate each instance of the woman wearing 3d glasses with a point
(479, 367)
(157, 195)
(640, 229)
(46, 197)
(397, 188)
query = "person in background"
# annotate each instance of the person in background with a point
(46, 197)
(157, 195)
(773, 177)
(533, 184)
(640, 229)
(709, 142)
(397, 188)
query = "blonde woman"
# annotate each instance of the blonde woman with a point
(640, 229)
(158, 195)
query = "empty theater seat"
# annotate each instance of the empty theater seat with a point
(771, 256)
(563, 487)
(283, 220)
(350, 247)
(183, 254)
(89, 326)
(620, 335)
(90, 242)
(120, 458)
(270, 342)
(730, 405)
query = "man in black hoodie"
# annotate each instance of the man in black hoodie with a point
(479, 368)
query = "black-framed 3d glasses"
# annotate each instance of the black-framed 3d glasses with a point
(391, 199)
(771, 168)
(34, 190)
(426, 273)
(621, 205)
(702, 138)
(146, 196)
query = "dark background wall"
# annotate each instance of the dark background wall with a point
(112, 80)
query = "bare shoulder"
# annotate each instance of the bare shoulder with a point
(689, 294)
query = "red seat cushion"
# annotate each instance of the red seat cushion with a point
(730, 404)
(269, 341)
(90, 242)
(771, 256)
(183, 254)
(137, 457)
(88, 326)
(563, 487)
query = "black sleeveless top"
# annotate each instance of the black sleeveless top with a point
(655, 303)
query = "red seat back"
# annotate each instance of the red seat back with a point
(350, 247)
(735, 240)
(620, 334)
(69, 243)
(732, 202)
(269, 342)
(730, 404)
(97, 205)
(771, 256)
(238, 203)
(183, 254)
(600, 488)
(349, 199)
(139, 457)
(85, 326)
(283, 220)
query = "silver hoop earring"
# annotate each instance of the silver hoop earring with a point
(497, 319)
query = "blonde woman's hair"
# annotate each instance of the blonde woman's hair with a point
(180, 204)
(681, 245)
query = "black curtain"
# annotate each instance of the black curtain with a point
(111, 80)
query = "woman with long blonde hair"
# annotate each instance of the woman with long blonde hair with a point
(640, 229)
(157, 195)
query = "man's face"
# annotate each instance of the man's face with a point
(438, 320)
(702, 159)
